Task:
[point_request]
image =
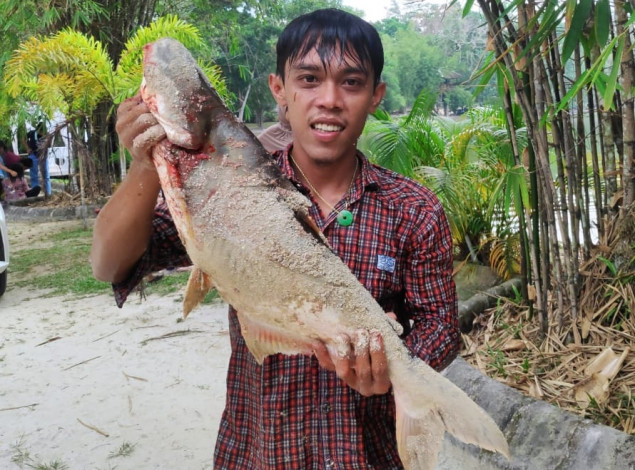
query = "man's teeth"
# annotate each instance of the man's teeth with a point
(327, 127)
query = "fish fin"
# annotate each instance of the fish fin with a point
(307, 222)
(263, 341)
(419, 441)
(428, 404)
(198, 285)
(300, 204)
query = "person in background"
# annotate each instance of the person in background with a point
(5, 171)
(43, 162)
(8, 157)
(32, 148)
(16, 187)
(277, 136)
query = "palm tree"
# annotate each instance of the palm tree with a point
(71, 72)
(469, 164)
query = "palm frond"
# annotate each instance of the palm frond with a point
(505, 255)
(66, 70)
(129, 70)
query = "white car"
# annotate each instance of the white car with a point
(4, 251)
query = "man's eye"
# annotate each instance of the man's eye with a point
(309, 78)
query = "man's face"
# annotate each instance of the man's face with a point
(327, 106)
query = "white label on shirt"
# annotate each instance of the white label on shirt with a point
(386, 263)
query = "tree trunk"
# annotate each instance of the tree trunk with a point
(628, 119)
(243, 105)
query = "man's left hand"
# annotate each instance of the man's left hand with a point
(360, 361)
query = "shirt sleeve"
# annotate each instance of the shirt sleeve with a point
(431, 299)
(165, 250)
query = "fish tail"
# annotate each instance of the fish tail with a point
(427, 405)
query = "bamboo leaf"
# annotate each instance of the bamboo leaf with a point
(574, 34)
(602, 23)
(468, 7)
(609, 264)
(611, 84)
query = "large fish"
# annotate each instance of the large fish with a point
(287, 285)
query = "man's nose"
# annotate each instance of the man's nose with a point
(330, 95)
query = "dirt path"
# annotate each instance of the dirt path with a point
(85, 385)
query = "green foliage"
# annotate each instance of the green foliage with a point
(68, 71)
(458, 98)
(581, 11)
(469, 164)
(130, 67)
(406, 143)
(62, 267)
(414, 60)
(498, 360)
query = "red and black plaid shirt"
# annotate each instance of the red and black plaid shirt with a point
(291, 414)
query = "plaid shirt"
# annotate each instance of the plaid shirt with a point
(291, 414)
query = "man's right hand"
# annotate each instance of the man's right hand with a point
(138, 130)
(124, 225)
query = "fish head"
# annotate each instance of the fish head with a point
(178, 93)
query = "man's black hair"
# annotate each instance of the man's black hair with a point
(327, 30)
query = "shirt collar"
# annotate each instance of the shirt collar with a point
(370, 180)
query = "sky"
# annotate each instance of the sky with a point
(374, 10)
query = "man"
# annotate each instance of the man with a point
(300, 412)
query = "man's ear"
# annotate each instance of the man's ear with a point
(276, 85)
(378, 95)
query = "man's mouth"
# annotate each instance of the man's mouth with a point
(327, 127)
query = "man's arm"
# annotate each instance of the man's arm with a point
(124, 225)
(431, 300)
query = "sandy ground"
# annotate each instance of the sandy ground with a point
(83, 382)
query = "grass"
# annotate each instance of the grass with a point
(61, 266)
(23, 459)
(126, 449)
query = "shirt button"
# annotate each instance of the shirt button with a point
(329, 463)
(325, 408)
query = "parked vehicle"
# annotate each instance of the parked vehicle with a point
(4, 251)
(58, 154)
(59, 158)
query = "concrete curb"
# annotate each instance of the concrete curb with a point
(540, 435)
(47, 214)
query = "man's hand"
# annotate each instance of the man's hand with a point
(359, 361)
(137, 128)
